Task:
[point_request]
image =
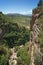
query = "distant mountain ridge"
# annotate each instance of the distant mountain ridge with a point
(22, 20)
(17, 14)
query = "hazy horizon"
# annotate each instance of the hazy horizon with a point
(18, 6)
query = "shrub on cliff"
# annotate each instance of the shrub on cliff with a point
(4, 55)
(23, 56)
(40, 2)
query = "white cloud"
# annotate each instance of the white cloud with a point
(20, 12)
(25, 12)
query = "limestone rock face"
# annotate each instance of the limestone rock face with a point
(35, 24)
(13, 57)
(35, 29)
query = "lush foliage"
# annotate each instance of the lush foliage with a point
(21, 20)
(23, 56)
(4, 55)
(12, 34)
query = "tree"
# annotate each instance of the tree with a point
(40, 2)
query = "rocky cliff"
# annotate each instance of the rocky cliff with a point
(35, 29)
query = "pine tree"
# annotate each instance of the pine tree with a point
(40, 2)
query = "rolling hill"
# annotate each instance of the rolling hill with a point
(22, 20)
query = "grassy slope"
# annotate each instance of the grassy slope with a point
(20, 19)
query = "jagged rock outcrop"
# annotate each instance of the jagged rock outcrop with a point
(35, 28)
(13, 57)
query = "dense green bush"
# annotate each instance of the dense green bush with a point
(16, 36)
(23, 56)
(37, 59)
(12, 34)
(4, 55)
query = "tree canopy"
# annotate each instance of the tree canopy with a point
(40, 2)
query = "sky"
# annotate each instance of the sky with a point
(18, 6)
